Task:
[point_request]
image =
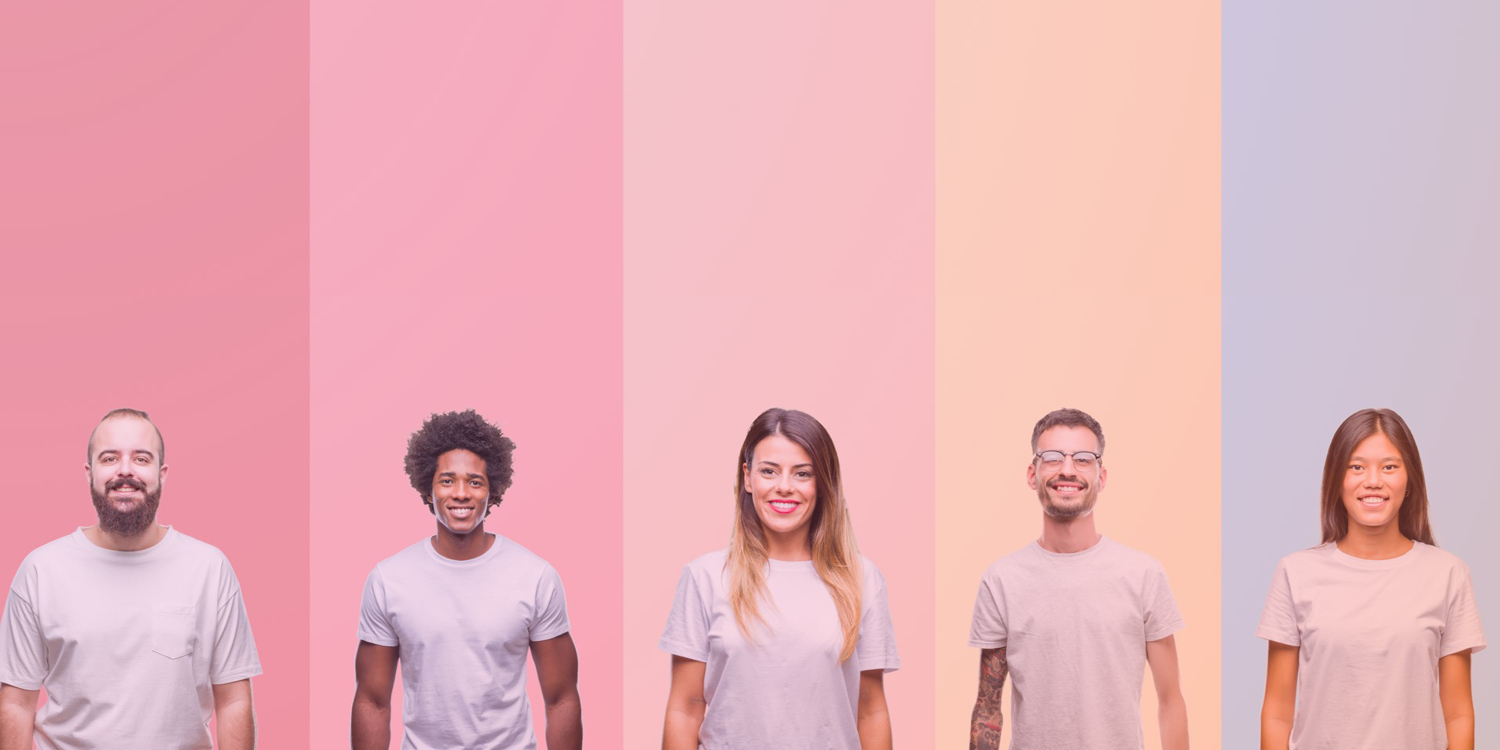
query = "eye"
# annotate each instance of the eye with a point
(804, 474)
(476, 483)
(1356, 467)
(766, 472)
(445, 480)
(1391, 467)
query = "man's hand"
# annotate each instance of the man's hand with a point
(557, 670)
(984, 726)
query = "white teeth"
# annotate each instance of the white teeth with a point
(783, 506)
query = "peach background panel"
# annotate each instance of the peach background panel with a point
(467, 253)
(155, 258)
(1078, 265)
(778, 252)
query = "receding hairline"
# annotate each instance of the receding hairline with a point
(161, 443)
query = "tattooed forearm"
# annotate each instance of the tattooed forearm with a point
(984, 728)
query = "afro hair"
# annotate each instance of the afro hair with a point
(458, 430)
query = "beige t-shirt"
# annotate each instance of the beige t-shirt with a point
(1074, 628)
(128, 644)
(1370, 633)
(787, 690)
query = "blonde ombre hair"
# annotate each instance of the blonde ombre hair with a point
(835, 556)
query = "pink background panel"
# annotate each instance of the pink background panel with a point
(153, 218)
(466, 253)
(778, 252)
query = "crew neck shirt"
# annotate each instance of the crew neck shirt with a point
(787, 689)
(127, 644)
(1369, 635)
(1074, 628)
(463, 629)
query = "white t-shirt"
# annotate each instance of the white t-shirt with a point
(787, 690)
(463, 628)
(1369, 635)
(127, 644)
(1074, 628)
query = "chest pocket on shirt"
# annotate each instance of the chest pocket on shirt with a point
(173, 630)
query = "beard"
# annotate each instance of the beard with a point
(1082, 505)
(133, 522)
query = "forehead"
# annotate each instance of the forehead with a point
(460, 461)
(124, 434)
(779, 449)
(1067, 439)
(1377, 446)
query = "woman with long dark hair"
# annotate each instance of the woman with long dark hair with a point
(783, 639)
(1371, 632)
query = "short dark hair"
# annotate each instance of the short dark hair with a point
(1067, 418)
(123, 411)
(458, 430)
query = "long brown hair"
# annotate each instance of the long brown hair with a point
(835, 555)
(1360, 425)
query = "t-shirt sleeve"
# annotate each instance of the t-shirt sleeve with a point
(687, 625)
(876, 646)
(1162, 616)
(1462, 630)
(1278, 621)
(374, 619)
(234, 657)
(23, 653)
(988, 629)
(551, 606)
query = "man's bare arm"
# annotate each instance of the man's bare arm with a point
(234, 714)
(375, 678)
(1171, 709)
(17, 717)
(984, 727)
(557, 671)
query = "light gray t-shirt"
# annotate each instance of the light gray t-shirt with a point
(463, 629)
(1074, 628)
(1369, 635)
(787, 690)
(128, 644)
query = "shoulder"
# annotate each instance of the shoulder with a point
(1121, 553)
(1305, 558)
(518, 559)
(713, 562)
(197, 550)
(1440, 559)
(50, 552)
(870, 573)
(1012, 564)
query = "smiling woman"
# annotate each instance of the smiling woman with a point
(791, 602)
(1385, 594)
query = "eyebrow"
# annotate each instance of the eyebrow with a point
(773, 463)
(114, 451)
(1387, 458)
(454, 474)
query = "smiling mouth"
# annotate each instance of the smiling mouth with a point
(1373, 501)
(784, 506)
(461, 512)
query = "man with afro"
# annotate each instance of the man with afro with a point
(460, 609)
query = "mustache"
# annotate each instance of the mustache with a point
(1082, 485)
(125, 482)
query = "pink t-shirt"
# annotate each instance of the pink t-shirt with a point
(1074, 628)
(1370, 633)
(787, 690)
(463, 629)
(128, 644)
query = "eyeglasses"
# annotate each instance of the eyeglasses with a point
(1081, 459)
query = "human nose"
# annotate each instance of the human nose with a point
(784, 484)
(1373, 479)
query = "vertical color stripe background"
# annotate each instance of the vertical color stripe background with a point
(153, 225)
(466, 253)
(1360, 227)
(1077, 266)
(778, 252)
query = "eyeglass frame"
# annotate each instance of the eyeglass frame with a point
(1098, 456)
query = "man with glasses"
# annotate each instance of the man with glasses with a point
(1074, 617)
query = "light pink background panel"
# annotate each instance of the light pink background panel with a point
(778, 252)
(466, 253)
(153, 222)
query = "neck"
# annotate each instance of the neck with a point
(119, 543)
(789, 548)
(1381, 543)
(1065, 535)
(462, 546)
